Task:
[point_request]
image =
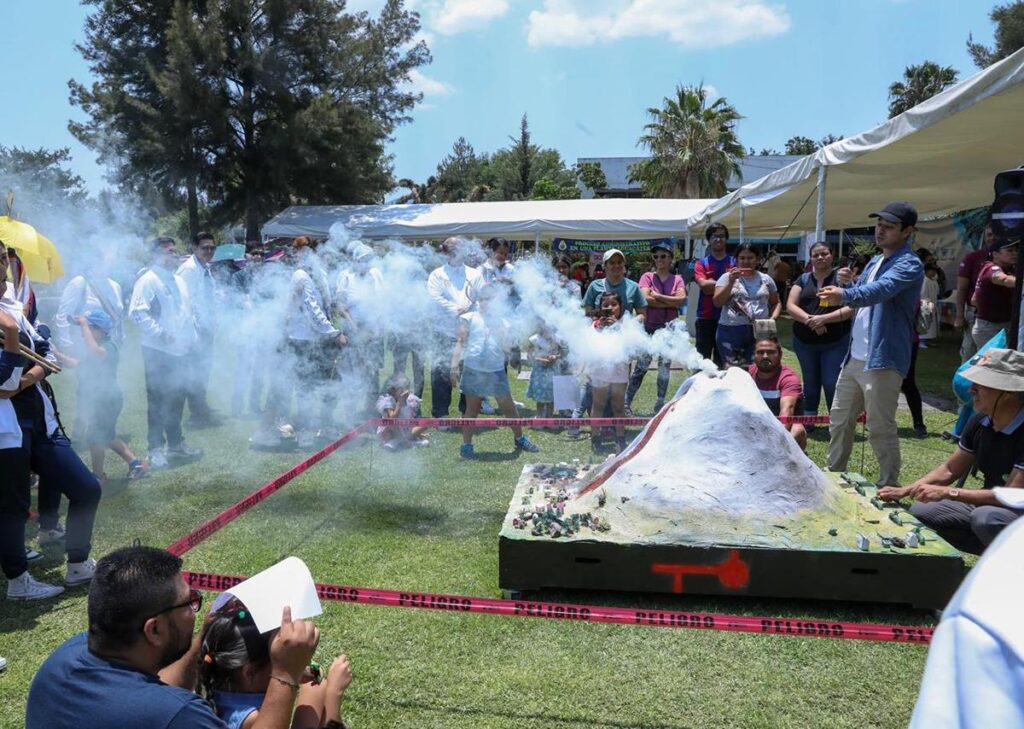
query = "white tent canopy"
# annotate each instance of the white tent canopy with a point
(941, 155)
(596, 219)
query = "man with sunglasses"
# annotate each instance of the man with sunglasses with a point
(708, 270)
(136, 666)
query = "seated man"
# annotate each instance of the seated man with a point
(136, 667)
(993, 441)
(779, 385)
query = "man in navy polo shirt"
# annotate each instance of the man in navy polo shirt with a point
(136, 667)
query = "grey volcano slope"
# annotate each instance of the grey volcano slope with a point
(715, 466)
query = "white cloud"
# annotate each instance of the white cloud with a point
(456, 16)
(690, 23)
(424, 84)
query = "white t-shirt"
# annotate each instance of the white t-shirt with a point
(484, 350)
(860, 336)
(974, 678)
(752, 294)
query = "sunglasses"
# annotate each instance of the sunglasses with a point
(194, 602)
(656, 256)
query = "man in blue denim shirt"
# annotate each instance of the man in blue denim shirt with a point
(885, 300)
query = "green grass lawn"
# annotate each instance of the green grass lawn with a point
(426, 521)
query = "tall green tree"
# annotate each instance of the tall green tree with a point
(257, 103)
(919, 83)
(801, 145)
(1009, 35)
(460, 173)
(693, 144)
(42, 186)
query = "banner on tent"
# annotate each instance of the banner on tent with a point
(566, 245)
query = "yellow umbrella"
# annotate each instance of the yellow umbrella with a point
(18, 235)
(37, 252)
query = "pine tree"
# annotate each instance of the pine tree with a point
(258, 104)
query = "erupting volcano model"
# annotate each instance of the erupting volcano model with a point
(715, 497)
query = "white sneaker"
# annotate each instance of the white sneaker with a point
(80, 572)
(23, 587)
(157, 459)
(51, 536)
(3, 663)
(486, 408)
(420, 443)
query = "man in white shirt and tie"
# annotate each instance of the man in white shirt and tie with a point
(160, 307)
(454, 288)
(202, 293)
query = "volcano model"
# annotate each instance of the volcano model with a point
(714, 496)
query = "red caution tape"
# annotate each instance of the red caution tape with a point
(557, 422)
(598, 613)
(231, 513)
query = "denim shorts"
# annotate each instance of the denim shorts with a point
(475, 383)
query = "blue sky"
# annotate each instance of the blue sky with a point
(584, 71)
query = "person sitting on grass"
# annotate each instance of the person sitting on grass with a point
(137, 664)
(480, 349)
(779, 385)
(608, 379)
(100, 402)
(399, 402)
(235, 671)
(992, 441)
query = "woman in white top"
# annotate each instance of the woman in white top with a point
(745, 295)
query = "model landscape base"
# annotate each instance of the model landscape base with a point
(851, 552)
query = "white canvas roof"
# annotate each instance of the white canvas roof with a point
(597, 219)
(941, 155)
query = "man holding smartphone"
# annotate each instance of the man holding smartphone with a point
(885, 300)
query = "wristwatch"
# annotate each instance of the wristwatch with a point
(954, 494)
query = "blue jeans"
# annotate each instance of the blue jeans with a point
(60, 471)
(735, 342)
(820, 365)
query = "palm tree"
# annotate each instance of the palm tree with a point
(694, 147)
(919, 83)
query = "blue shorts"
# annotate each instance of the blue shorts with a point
(475, 383)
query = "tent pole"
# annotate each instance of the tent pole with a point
(743, 223)
(819, 215)
(839, 248)
(687, 251)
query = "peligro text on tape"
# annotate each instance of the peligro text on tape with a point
(599, 613)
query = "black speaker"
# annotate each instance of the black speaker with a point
(1007, 210)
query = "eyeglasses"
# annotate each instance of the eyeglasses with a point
(719, 237)
(194, 602)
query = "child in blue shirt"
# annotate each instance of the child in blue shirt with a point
(234, 673)
(101, 401)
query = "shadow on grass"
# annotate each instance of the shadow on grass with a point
(555, 719)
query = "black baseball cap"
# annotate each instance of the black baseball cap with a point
(898, 212)
(999, 243)
(660, 245)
